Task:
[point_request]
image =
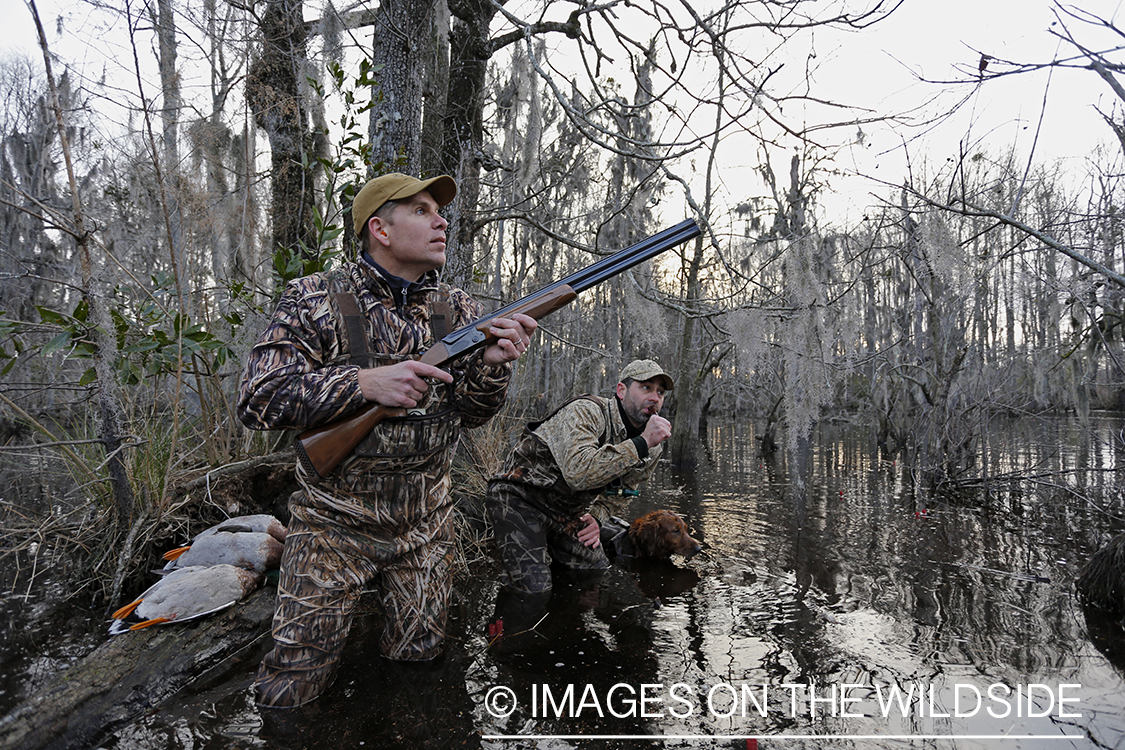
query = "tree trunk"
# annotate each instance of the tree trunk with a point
(464, 126)
(164, 20)
(435, 91)
(403, 30)
(689, 391)
(273, 90)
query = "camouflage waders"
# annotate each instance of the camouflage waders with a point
(332, 555)
(528, 539)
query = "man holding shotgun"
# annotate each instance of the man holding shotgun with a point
(340, 340)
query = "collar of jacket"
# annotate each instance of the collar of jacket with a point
(383, 283)
(616, 419)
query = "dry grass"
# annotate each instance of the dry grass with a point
(54, 520)
(479, 456)
(76, 547)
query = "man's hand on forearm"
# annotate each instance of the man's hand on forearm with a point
(513, 335)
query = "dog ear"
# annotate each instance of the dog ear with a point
(646, 535)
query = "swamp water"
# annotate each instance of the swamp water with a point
(858, 612)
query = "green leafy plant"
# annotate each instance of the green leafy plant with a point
(10, 338)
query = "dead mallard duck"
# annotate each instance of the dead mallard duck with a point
(186, 594)
(253, 542)
(253, 550)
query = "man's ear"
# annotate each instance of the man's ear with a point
(621, 388)
(378, 229)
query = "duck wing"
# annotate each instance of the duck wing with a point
(259, 523)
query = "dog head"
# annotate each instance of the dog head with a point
(662, 533)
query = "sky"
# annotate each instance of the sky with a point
(1050, 117)
(881, 69)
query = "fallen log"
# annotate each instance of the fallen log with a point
(133, 673)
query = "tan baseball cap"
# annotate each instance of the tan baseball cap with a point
(394, 186)
(645, 369)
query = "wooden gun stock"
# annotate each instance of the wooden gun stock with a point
(321, 449)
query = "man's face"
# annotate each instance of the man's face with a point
(641, 399)
(414, 239)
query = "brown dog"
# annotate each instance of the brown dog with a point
(660, 533)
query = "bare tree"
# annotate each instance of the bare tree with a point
(31, 259)
(109, 399)
(658, 45)
(275, 90)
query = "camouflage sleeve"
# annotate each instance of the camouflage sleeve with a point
(615, 505)
(574, 439)
(285, 384)
(605, 507)
(643, 471)
(482, 389)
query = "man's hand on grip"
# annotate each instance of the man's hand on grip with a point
(400, 385)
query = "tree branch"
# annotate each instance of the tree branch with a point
(1046, 239)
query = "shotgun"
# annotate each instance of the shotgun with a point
(320, 449)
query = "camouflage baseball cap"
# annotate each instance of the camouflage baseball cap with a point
(645, 369)
(394, 186)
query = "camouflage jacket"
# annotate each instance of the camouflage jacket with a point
(298, 374)
(565, 463)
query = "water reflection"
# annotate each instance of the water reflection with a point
(857, 578)
(860, 577)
